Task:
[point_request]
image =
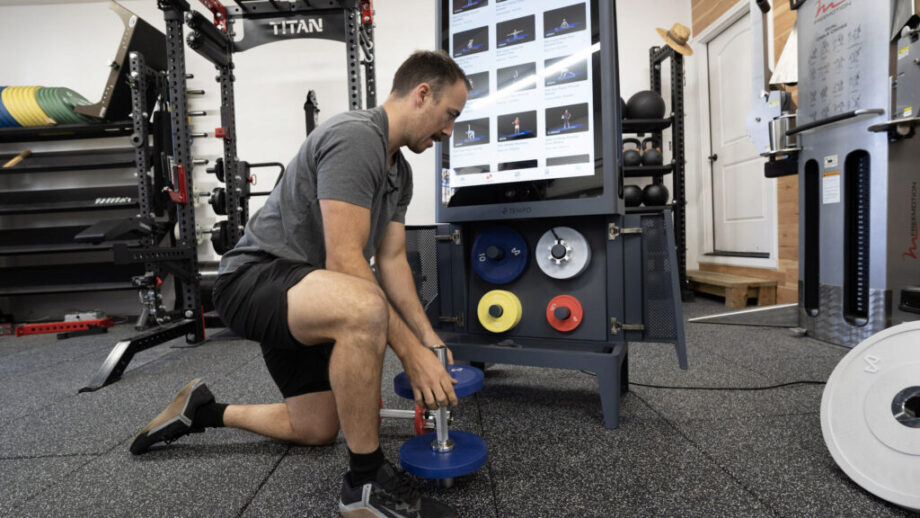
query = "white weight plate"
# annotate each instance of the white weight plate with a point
(863, 419)
(577, 254)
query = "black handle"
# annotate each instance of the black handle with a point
(633, 141)
(795, 4)
(764, 6)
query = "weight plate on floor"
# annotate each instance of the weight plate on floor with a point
(499, 254)
(6, 120)
(469, 381)
(499, 311)
(870, 414)
(417, 457)
(562, 253)
(564, 313)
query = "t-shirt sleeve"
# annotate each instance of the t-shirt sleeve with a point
(405, 195)
(347, 165)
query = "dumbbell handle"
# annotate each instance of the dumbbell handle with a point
(400, 414)
(396, 413)
(443, 443)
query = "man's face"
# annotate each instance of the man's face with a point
(436, 118)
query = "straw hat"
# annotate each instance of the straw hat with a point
(676, 38)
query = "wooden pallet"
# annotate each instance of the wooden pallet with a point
(736, 289)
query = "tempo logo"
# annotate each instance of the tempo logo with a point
(824, 8)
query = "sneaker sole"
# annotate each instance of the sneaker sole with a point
(362, 512)
(173, 414)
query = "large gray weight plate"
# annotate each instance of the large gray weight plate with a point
(562, 253)
(870, 414)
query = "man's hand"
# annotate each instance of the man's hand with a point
(432, 385)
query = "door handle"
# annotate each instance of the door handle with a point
(713, 158)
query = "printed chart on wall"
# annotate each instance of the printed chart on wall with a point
(529, 112)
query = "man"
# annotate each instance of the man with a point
(299, 283)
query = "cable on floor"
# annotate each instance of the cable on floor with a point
(680, 387)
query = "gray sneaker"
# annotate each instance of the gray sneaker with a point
(392, 494)
(176, 420)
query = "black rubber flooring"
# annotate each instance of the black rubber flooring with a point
(677, 452)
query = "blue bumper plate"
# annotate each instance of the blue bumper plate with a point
(469, 381)
(417, 457)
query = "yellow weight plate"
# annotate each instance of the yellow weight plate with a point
(18, 109)
(38, 115)
(8, 96)
(25, 108)
(499, 311)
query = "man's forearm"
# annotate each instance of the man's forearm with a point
(397, 281)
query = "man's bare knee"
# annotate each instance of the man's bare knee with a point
(331, 306)
(317, 434)
(368, 316)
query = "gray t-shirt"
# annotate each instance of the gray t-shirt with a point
(343, 159)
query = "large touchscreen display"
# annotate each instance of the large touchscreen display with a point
(529, 118)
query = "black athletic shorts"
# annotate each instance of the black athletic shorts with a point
(252, 301)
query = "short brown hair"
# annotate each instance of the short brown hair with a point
(426, 66)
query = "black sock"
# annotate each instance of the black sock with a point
(210, 415)
(364, 466)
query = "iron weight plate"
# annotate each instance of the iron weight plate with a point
(562, 253)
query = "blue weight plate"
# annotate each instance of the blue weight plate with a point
(6, 120)
(514, 254)
(418, 458)
(469, 381)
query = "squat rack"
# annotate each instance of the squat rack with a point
(350, 21)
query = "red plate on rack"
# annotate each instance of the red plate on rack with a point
(564, 313)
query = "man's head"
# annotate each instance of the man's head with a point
(432, 89)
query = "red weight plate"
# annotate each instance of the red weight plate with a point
(576, 313)
(420, 421)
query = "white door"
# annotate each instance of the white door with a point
(741, 196)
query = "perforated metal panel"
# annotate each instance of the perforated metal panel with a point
(660, 318)
(421, 250)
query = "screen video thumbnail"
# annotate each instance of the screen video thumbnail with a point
(471, 42)
(567, 119)
(471, 133)
(564, 20)
(480, 85)
(522, 76)
(517, 126)
(468, 5)
(514, 32)
(560, 71)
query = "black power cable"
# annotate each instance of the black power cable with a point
(767, 387)
(678, 387)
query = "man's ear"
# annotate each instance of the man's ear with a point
(422, 91)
